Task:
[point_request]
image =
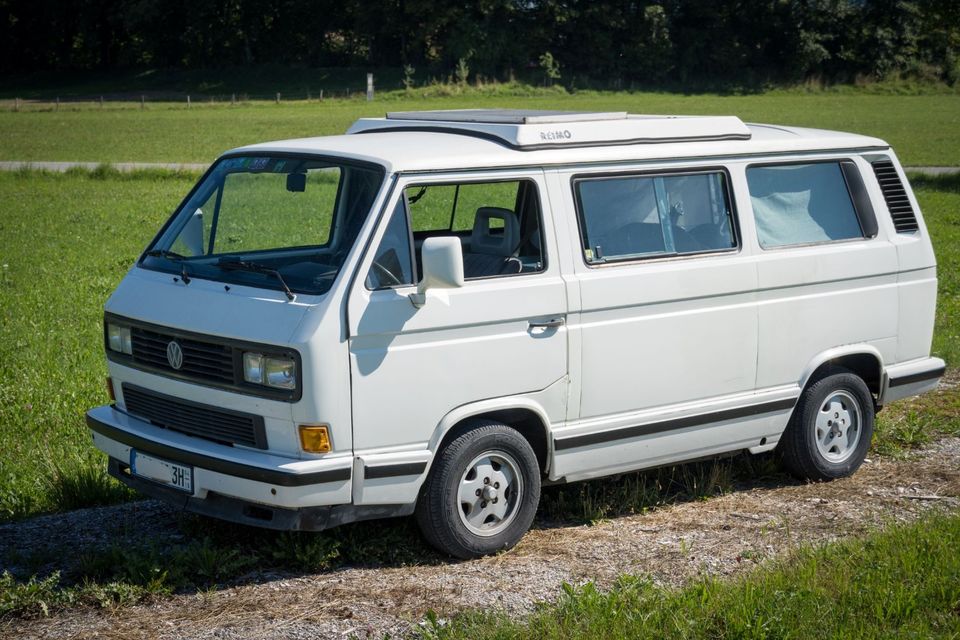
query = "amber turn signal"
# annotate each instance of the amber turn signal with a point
(113, 397)
(315, 438)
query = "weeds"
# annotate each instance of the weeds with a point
(597, 500)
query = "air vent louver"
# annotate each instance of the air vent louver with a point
(904, 219)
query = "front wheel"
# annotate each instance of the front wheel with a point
(482, 493)
(830, 431)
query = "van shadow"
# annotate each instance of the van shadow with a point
(384, 317)
(156, 549)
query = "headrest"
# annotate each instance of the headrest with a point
(495, 241)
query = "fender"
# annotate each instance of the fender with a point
(486, 406)
(836, 352)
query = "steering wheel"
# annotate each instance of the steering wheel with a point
(384, 273)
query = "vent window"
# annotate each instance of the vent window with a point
(904, 218)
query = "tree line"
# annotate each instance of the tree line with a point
(654, 43)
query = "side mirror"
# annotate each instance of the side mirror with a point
(442, 267)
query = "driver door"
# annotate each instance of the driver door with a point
(488, 339)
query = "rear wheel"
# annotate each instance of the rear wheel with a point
(831, 427)
(482, 493)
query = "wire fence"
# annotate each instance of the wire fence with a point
(145, 100)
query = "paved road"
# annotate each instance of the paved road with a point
(193, 166)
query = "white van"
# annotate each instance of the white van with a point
(440, 312)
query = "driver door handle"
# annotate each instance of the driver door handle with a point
(547, 324)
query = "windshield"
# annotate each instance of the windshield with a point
(275, 222)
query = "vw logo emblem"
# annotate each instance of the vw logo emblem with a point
(174, 354)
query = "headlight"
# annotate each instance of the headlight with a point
(272, 371)
(118, 339)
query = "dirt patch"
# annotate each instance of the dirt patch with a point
(673, 544)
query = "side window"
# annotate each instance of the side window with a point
(392, 266)
(802, 204)
(498, 224)
(631, 217)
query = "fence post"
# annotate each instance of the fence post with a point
(369, 87)
(58, 103)
(188, 102)
(101, 102)
(321, 95)
(16, 104)
(143, 102)
(308, 95)
(233, 98)
(278, 97)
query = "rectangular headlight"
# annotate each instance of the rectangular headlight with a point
(253, 368)
(280, 373)
(271, 371)
(118, 339)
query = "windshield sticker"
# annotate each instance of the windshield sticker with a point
(258, 164)
(277, 168)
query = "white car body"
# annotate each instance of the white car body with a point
(605, 368)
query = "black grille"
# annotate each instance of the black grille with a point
(904, 219)
(200, 359)
(191, 418)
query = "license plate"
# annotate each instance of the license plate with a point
(172, 474)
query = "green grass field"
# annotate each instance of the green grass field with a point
(924, 129)
(903, 582)
(67, 240)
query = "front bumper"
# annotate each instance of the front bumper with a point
(240, 511)
(233, 483)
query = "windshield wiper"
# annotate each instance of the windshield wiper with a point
(171, 255)
(165, 253)
(256, 267)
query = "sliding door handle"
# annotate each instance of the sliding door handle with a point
(552, 323)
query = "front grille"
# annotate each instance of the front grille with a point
(206, 360)
(195, 419)
(213, 361)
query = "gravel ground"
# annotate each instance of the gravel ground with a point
(673, 544)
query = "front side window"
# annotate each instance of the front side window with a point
(274, 222)
(498, 224)
(641, 216)
(802, 204)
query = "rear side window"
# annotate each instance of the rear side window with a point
(799, 204)
(641, 216)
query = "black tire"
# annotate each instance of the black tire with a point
(439, 505)
(799, 448)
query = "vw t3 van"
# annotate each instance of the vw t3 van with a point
(439, 312)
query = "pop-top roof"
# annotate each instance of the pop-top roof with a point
(530, 130)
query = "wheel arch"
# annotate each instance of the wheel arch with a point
(526, 416)
(862, 359)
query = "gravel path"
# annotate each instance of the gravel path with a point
(721, 536)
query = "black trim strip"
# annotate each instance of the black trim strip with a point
(932, 374)
(237, 469)
(393, 470)
(671, 425)
(490, 137)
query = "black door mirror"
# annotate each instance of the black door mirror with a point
(297, 182)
